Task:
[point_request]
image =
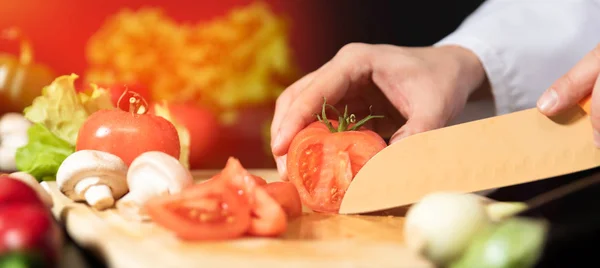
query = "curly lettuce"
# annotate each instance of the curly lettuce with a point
(58, 114)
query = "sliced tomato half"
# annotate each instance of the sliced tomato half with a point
(208, 211)
(322, 164)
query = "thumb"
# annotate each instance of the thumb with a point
(569, 89)
(415, 125)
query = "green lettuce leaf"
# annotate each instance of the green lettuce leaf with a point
(43, 154)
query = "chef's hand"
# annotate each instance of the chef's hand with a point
(572, 87)
(422, 88)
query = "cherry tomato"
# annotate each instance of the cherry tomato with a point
(207, 211)
(287, 196)
(30, 228)
(128, 134)
(204, 131)
(321, 163)
(15, 191)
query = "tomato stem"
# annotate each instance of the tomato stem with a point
(345, 120)
(137, 103)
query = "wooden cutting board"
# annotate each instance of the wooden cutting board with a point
(313, 240)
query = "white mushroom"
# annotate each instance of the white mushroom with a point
(99, 178)
(152, 174)
(33, 183)
(13, 123)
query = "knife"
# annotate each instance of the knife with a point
(505, 150)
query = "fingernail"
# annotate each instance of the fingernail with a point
(597, 138)
(548, 100)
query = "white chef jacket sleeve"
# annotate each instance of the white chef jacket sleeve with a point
(525, 45)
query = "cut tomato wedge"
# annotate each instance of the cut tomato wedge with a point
(208, 211)
(287, 196)
(268, 217)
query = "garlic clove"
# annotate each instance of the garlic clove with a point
(7, 158)
(11, 123)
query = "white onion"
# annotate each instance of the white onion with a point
(441, 225)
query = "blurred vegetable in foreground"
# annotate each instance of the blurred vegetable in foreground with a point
(21, 79)
(513, 243)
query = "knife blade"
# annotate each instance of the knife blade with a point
(505, 150)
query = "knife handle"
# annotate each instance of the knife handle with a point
(586, 104)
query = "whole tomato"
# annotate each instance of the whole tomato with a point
(30, 229)
(323, 158)
(128, 134)
(203, 128)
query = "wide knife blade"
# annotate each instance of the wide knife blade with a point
(505, 150)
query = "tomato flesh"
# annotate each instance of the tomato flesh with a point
(322, 164)
(268, 217)
(287, 196)
(207, 211)
(128, 135)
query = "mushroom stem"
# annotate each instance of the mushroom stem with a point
(94, 193)
(99, 196)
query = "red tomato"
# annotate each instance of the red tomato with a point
(268, 217)
(238, 177)
(15, 191)
(30, 227)
(287, 196)
(128, 135)
(321, 164)
(203, 127)
(207, 211)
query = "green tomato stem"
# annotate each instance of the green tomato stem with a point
(344, 120)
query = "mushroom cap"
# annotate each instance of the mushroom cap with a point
(107, 168)
(158, 170)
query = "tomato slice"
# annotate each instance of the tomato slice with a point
(238, 177)
(287, 196)
(268, 217)
(321, 164)
(207, 211)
